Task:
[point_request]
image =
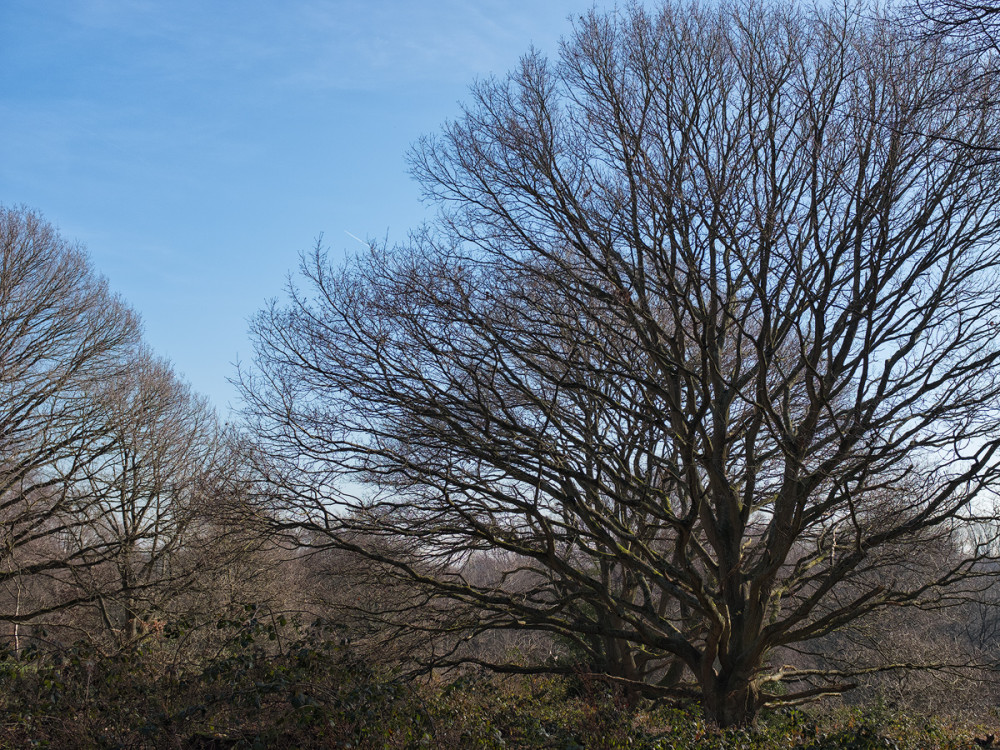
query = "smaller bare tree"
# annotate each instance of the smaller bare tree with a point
(148, 494)
(62, 335)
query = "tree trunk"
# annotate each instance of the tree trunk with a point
(17, 623)
(731, 700)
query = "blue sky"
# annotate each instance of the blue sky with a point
(196, 148)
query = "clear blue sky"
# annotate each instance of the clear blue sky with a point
(197, 147)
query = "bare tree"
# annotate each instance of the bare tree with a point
(704, 340)
(62, 334)
(974, 24)
(150, 495)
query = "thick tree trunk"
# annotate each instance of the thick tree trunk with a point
(730, 700)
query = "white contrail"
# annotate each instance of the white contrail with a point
(355, 237)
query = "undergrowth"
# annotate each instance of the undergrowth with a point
(278, 685)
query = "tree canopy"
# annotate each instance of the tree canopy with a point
(702, 349)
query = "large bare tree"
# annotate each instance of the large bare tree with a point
(703, 346)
